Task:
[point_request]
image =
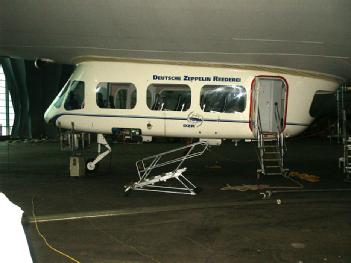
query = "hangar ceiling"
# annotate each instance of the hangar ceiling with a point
(310, 35)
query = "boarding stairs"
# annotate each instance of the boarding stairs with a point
(153, 177)
(271, 149)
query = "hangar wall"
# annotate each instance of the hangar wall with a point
(32, 90)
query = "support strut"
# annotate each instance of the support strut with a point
(101, 142)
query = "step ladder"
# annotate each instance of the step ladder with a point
(271, 148)
(271, 151)
(152, 176)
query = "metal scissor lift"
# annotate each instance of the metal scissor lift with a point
(156, 183)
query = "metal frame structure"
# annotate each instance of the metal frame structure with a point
(7, 106)
(343, 133)
(147, 165)
(71, 140)
(271, 156)
(346, 159)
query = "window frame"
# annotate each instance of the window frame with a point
(216, 86)
(164, 88)
(128, 86)
(72, 88)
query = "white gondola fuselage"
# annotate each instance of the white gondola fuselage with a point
(184, 100)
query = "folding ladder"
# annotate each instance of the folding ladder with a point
(147, 167)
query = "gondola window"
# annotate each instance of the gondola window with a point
(219, 98)
(168, 97)
(75, 96)
(116, 95)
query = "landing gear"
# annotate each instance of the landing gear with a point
(92, 164)
(90, 168)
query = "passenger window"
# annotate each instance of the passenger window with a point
(75, 96)
(168, 97)
(116, 95)
(219, 98)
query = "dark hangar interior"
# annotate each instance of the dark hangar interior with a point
(59, 203)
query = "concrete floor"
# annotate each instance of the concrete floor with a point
(214, 226)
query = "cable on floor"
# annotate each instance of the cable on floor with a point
(45, 241)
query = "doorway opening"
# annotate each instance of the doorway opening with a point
(268, 107)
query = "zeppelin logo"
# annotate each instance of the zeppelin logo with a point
(194, 120)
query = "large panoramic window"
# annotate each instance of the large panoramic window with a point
(219, 98)
(168, 97)
(116, 95)
(6, 110)
(75, 96)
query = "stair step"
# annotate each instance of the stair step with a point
(274, 173)
(271, 149)
(273, 169)
(267, 147)
(272, 166)
(276, 153)
(270, 160)
(269, 136)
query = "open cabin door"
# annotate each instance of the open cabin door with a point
(268, 105)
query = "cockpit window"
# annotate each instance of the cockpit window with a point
(219, 98)
(115, 95)
(75, 96)
(59, 99)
